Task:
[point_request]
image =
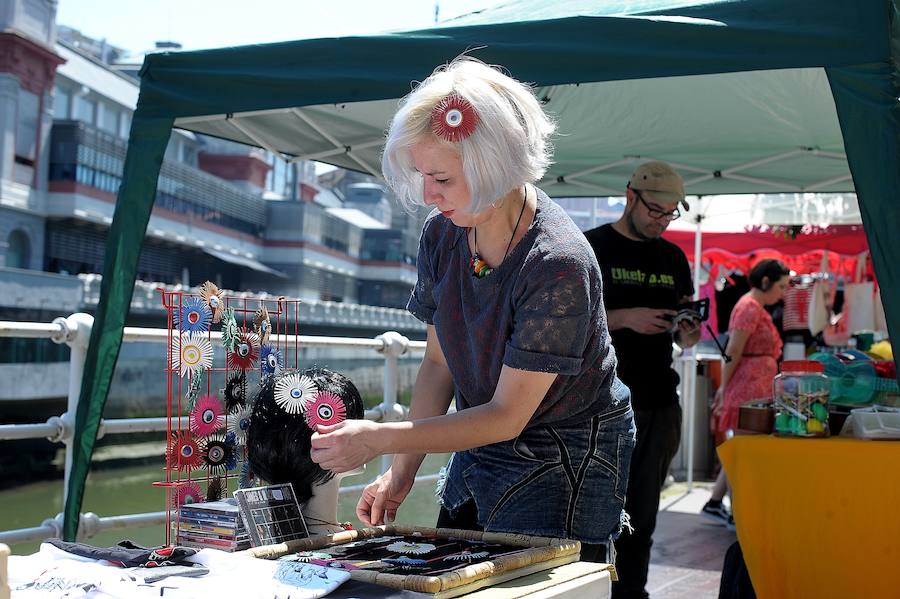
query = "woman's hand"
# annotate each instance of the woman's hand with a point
(718, 402)
(381, 498)
(715, 411)
(345, 446)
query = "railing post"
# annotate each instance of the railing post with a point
(689, 402)
(4, 581)
(76, 333)
(395, 345)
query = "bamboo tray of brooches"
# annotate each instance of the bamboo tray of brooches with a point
(441, 561)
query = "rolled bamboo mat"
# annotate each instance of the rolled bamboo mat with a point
(538, 553)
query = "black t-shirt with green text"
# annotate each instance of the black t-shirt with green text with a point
(648, 274)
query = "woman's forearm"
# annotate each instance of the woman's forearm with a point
(730, 368)
(432, 394)
(472, 427)
(735, 349)
(517, 396)
(431, 430)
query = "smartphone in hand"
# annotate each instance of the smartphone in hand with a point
(698, 310)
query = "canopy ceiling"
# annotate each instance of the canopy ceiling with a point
(771, 99)
(755, 132)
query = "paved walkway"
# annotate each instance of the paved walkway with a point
(688, 550)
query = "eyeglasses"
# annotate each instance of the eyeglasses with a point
(654, 212)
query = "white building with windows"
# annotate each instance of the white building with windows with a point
(223, 211)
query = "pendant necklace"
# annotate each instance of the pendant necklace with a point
(480, 268)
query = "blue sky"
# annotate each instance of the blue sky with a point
(135, 25)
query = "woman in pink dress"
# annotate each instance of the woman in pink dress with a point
(754, 346)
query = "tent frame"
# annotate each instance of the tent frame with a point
(565, 43)
(574, 178)
(339, 148)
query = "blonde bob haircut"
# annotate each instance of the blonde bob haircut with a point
(509, 147)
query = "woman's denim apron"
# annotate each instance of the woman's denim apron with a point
(554, 481)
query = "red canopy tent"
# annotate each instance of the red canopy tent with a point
(801, 248)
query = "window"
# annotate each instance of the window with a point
(279, 177)
(124, 125)
(61, 99)
(109, 118)
(18, 251)
(27, 127)
(173, 149)
(84, 109)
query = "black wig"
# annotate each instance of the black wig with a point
(278, 443)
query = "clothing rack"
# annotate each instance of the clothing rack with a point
(812, 277)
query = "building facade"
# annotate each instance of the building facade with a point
(225, 212)
(252, 223)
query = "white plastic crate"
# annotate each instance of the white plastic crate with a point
(874, 422)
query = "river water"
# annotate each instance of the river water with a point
(130, 490)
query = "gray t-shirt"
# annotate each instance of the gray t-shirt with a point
(540, 310)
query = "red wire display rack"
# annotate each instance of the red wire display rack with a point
(219, 349)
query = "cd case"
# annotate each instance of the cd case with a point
(271, 514)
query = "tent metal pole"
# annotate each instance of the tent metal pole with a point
(600, 167)
(338, 151)
(778, 184)
(692, 352)
(760, 162)
(824, 154)
(331, 139)
(208, 118)
(595, 188)
(689, 182)
(828, 182)
(256, 138)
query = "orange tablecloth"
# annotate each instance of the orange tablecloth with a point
(817, 517)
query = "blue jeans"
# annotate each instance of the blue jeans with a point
(553, 481)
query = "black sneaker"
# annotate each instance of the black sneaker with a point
(716, 512)
(730, 525)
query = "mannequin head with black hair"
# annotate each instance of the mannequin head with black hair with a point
(285, 411)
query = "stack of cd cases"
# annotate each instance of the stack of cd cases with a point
(212, 525)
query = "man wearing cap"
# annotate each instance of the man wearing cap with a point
(645, 277)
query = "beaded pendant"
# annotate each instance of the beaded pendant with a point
(480, 268)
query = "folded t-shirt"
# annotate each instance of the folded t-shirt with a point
(53, 573)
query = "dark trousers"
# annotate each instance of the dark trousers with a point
(466, 518)
(735, 582)
(658, 436)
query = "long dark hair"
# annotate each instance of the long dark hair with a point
(768, 268)
(278, 443)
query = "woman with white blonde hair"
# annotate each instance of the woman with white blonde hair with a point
(510, 291)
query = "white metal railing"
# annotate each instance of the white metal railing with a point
(66, 294)
(75, 331)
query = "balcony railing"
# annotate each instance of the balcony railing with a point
(87, 155)
(32, 289)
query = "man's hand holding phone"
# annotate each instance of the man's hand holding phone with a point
(648, 321)
(689, 316)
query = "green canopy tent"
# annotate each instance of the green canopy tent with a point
(742, 95)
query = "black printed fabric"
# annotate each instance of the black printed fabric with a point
(129, 554)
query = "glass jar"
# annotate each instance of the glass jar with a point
(801, 394)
